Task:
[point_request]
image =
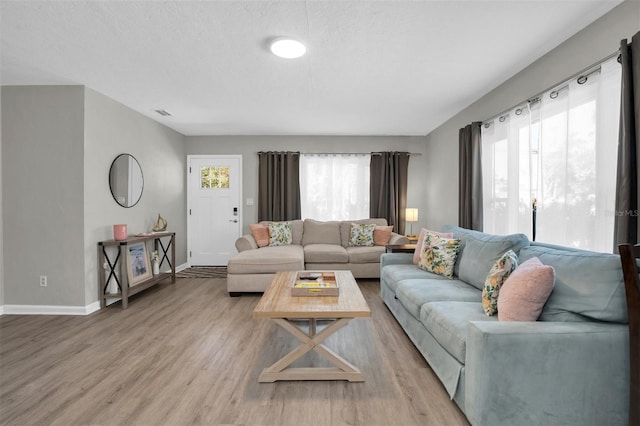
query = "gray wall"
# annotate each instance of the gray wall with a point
(111, 129)
(58, 145)
(1, 221)
(587, 47)
(42, 167)
(248, 147)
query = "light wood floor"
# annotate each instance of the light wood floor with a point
(188, 354)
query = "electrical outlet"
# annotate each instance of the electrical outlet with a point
(43, 280)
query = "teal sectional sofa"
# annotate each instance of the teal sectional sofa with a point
(571, 367)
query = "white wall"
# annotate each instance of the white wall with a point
(587, 47)
(112, 129)
(248, 147)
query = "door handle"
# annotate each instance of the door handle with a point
(233, 220)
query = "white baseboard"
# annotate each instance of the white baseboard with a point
(49, 309)
(93, 307)
(61, 310)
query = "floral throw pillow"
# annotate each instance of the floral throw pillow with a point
(439, 254)
(361, 235)
(498, 274)
(418, 250)
(280, 233)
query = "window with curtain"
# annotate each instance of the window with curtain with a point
(556, 156)
(334, 186)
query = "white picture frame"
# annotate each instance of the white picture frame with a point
(138, 265)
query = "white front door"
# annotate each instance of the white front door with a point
(214, 209)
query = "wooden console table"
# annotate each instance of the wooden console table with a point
(109, 266)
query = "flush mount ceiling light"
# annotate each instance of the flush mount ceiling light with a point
(288, 48)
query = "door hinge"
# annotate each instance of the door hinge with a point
(189, 212)
(189, 169)
(189, 253)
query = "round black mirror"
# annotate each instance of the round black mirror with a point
(126, 180)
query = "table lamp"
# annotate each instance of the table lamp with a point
(411, 215)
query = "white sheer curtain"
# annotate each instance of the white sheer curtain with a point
(562, 151)
(505, 174)
(578, 154)
(334, 186)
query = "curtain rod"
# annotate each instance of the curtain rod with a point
(340, 153)
(352, 153)
(588, 70)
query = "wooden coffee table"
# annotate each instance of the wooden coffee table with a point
(278, 305)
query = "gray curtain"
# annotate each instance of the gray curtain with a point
(626, 220)
(278, 186)
(388, 187)
(470, 177)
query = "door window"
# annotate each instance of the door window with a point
(214, 177)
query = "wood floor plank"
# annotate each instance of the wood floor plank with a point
(188, 354)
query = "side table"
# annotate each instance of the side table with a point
(400, 248)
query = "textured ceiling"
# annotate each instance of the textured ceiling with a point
(372, 67)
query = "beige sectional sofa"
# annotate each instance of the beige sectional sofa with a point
(315, 245)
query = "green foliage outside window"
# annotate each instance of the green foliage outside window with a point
(212, 177)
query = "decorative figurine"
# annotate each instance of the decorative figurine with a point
(160, 225)
(155, 260)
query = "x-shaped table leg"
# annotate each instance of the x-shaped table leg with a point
(343, 370)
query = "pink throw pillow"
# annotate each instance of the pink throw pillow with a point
(382, 235)
(524, 293)
(260, 233)
(423, 231)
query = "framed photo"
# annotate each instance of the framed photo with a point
(138, 263)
